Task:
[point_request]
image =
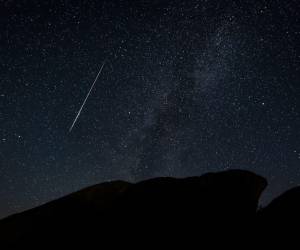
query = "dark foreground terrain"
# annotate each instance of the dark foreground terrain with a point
(212, 207)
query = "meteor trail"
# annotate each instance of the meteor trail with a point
(87, 96)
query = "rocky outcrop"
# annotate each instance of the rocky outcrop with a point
(211, 205)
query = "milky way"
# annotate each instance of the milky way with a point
(188, 87)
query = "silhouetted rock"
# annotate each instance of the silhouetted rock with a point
(226, 195)
(62, 219)
(211, 205)
(281, 218)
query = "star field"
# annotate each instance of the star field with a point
(188, 87)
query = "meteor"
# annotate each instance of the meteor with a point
(87, 96)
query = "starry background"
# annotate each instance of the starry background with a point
(188, 87)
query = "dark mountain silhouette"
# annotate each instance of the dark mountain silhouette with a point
(211, 205)
(281, 218)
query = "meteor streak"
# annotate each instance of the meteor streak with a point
(87, 96)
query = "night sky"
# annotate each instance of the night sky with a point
(187, 87)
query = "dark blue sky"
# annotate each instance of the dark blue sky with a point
(188, 87)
